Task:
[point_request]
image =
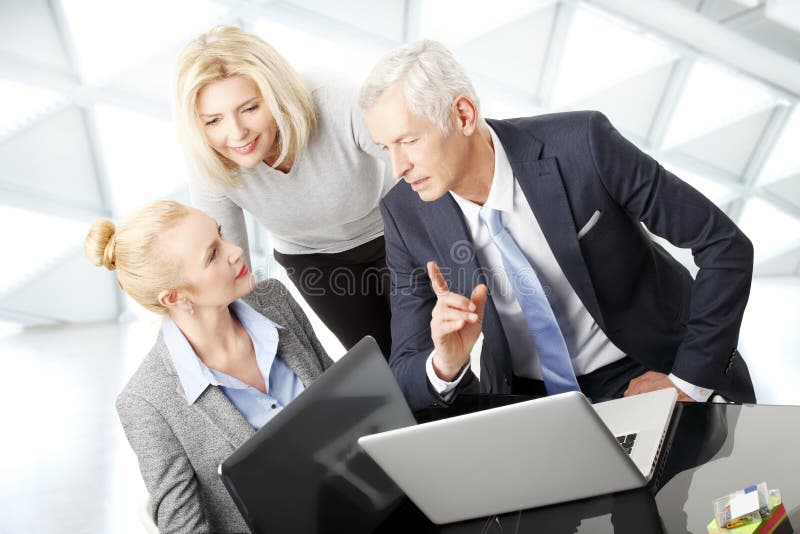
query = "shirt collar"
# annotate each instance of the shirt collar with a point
(264, 334)
(501, 192)
(194, 375)
(250, 318)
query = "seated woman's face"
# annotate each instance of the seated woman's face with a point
(236, 121)
(211, 267)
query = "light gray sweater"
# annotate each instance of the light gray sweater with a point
(328, 202)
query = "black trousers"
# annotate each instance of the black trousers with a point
(605, 383)
(348, 290)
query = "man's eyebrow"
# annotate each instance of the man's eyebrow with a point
(397, 140)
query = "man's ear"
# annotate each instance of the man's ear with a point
(466, 114)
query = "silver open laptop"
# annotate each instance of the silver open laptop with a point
(530, 454)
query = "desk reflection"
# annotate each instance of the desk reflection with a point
(712, 449)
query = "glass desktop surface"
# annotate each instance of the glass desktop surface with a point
(714, 449)
(719, 448)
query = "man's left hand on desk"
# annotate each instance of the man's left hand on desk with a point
(651, 381)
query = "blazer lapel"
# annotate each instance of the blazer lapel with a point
(213, 404)
(291, 350)
(449, 234)
(543, 186)
(223, 414)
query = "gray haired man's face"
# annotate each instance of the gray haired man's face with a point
(422, 155)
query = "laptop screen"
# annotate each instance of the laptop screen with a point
(304, 471)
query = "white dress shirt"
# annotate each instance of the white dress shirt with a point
(587, 344)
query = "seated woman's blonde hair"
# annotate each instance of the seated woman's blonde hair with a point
(132, 250)
(226, 51)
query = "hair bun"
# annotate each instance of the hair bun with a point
(100, 244)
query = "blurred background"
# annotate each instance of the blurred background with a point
(710, 88)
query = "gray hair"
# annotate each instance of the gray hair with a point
(432, 77)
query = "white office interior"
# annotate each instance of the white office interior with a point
(710, 88)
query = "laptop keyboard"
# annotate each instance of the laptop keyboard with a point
(627, 441)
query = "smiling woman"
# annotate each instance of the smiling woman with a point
(230, 355)
(295, 152)
(245, 133)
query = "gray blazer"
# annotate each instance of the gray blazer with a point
(179, 446)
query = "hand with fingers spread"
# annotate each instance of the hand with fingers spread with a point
(455, 324)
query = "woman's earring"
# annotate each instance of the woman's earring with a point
(191, 308)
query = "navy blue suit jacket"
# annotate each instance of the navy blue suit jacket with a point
(570, 165)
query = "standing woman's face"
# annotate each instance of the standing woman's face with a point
(237, 122)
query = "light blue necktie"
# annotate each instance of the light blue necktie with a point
(554, 358)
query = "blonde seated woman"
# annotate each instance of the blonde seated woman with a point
(230, 355)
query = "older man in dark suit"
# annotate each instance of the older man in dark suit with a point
(532, 231)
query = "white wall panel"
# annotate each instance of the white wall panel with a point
(383, 19)
(30, 34)
(73, 290)
(53, 157)
(512, 54)
(630, 105)
(729, 148)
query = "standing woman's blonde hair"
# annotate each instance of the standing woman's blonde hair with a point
(226, 51)
(131, 250)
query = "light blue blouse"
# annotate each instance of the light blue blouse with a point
(283, 385)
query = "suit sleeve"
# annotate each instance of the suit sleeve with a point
(168, 475)
(672, 209)
(412, 301)
(227, 213)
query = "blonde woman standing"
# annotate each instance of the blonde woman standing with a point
(295, 153)
(230, 355)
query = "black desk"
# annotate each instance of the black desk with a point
(715, 449)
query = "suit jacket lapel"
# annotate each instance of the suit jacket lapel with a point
(290, 349)
(223, 414)
(213, 404)
(543, 186)
(450, 236)
(293, 352)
